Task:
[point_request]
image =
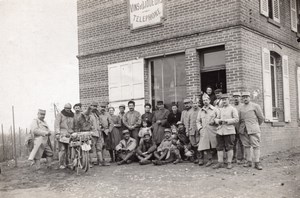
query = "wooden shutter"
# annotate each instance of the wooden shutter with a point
(276, 11)
(298, 80)
(286, 89)
(267, 87)
(293, 15)
(264, 7)
(114, 86)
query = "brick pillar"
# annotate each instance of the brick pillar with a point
(192, 68)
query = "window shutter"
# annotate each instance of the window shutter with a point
(264, 7)
(286, 89)
(298, 79)
(114, 86)
(267, 88)
(276, 11)
(293, 15)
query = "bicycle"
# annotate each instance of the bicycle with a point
(81, 145)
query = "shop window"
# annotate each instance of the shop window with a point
(168, 80)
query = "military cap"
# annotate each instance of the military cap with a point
(225, 95)
(236, 94)
(68, 105)
(167, 130)
(246, 93)
(179, 123)
(160, 102)
(218, 91)
(42, 111)
(186, 100)
(122, 105)
(125, 131)
(205, 96)
(78, 104)
(94, 104)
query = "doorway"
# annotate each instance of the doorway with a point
(214, 79)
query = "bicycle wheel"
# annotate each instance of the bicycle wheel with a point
(85, 161)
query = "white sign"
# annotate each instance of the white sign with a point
(144, 13)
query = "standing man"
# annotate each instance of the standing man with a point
(42, 145)
(121, 115)
(251, 117)
(174, 116)
(98, 140)
(238, 149)
(132, 120)
(77, 116)
(159, 122)
(218, 100)
(227, 118)
(193, 133)
(106, 128)
(147, 116)
(185, 113)
(64, 127)
(208, 130)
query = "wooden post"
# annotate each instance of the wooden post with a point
(20, 144)
(12, 142)
(4, 154)
(14, 130)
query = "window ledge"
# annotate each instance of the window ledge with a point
(278, 124)
(274, 22)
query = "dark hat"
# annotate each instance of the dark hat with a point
(94, 104)
(125, 131)
(218, 91)
(42, 111)
(246, 93)
(78, 104)
(225, 95)
(236, 94)
(160, 102)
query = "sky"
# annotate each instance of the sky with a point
(38, 64)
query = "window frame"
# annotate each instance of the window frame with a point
(274, 95)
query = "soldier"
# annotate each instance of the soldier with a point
(106, 127)
(126, 148)
(218, 100)
(146, 148)
(98, 140)
(64, 127)
(251, 117)
(208, 130)
(132, 120)
(159, 122)
(238, 149)
(193, 133)
(147, 116)
(42, 145)
(185, 113)
(77, 115)
(226, 118)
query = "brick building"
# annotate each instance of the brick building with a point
(150, 50)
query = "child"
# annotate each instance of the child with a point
(146, 127)
(146, 148)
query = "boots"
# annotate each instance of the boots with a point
(257, 165)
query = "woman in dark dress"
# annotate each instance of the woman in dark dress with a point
(116, 133)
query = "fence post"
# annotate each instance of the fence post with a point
(4, 154)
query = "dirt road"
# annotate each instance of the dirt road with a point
(279, 178)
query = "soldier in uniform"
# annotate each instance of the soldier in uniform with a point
(226, 119)
(64, 127)
(132, 120)
(126, 148)
(159, 122)
(40, 131)
(251, 117)
(77, 115)
(185, 113)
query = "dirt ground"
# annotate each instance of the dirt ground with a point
(279, 178)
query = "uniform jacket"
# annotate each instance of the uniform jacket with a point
(158, 129)
(251, 117)
(237, 125)
(185, 117)
(129, 145)
(147, 117)
(87, 123)
(165, 144)
(64, 123)
(191, 124)
(132, 118)
(144, 146)
(173, 118)
(208, 129)
(231, 116)
(105, 122)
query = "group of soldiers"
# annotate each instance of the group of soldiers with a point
(204, 128)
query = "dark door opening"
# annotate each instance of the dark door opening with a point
(215, 79)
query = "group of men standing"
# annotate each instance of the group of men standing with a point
(204, 128)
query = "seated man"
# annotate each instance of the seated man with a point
(146, 148)
(184, 145)
(163, 150)
(126, 148)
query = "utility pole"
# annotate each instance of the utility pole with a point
(14, 130)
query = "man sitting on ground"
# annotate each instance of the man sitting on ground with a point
(126, 148)
(146, 148)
